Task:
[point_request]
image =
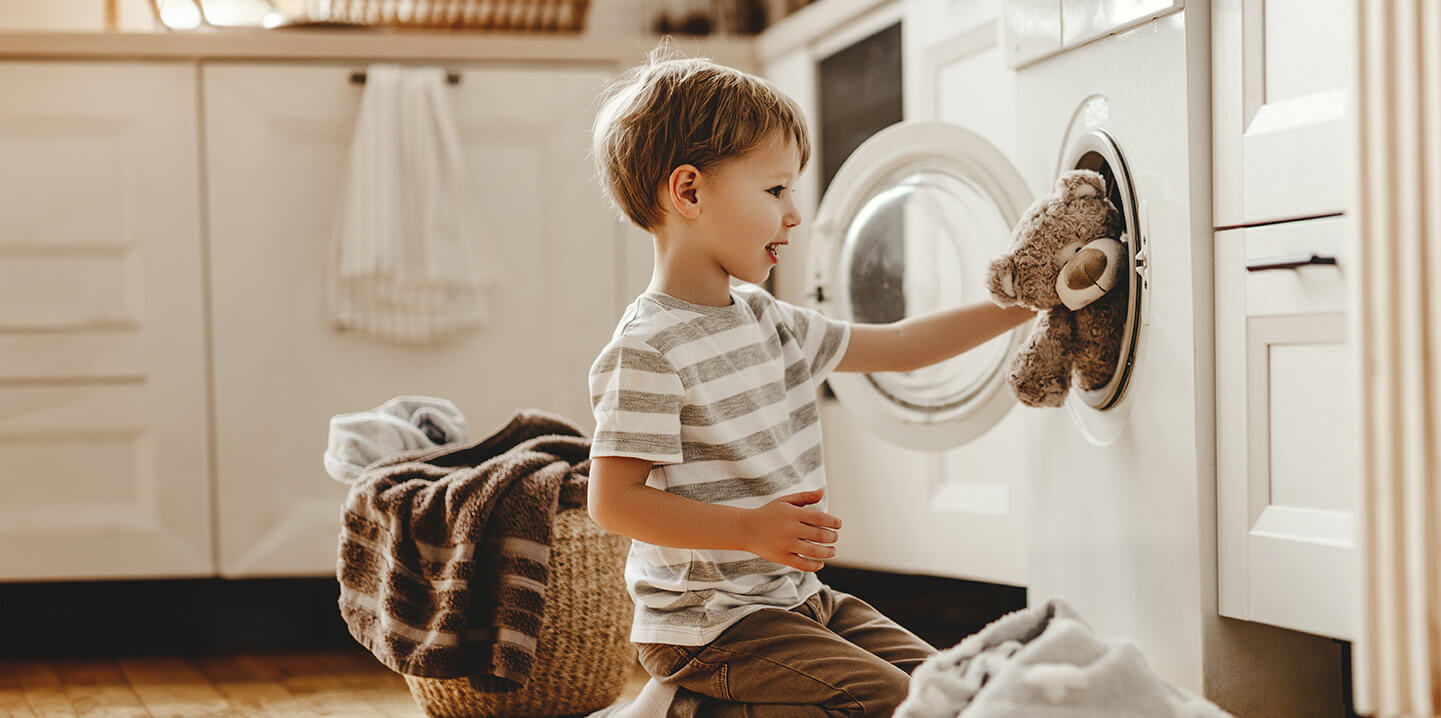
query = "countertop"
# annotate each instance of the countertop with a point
(366, 44)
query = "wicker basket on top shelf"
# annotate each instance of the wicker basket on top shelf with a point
(524, 15)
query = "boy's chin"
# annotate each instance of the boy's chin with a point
(760, 277)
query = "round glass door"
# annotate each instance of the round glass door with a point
(908, 227)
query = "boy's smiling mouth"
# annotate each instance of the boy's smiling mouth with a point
(773, 249)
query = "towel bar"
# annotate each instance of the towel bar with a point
(358, 78)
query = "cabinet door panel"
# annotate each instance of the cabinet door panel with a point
(1286, 440)
(278, 140)
(1279, 106)
(104, 454)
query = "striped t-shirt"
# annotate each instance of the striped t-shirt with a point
(723, 401)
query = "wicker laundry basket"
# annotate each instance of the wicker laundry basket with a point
(584, 654)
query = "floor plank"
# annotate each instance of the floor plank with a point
(97, 688)
(13, 703)
(373, 682)
(173, 687)
(294, 685)
(309, 678)
(43, 691)
(249, 691)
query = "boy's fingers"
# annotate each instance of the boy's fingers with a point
(820, 535)
(803, 498)
(815, 551)
(821, 519)
(804, 564)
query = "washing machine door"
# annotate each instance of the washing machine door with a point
(907, 227)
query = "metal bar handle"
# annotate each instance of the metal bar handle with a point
(358, 78)
(1263, 265)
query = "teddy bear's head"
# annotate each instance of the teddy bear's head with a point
(1043, 269)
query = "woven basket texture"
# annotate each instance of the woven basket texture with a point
(524, 15)
(584, 654)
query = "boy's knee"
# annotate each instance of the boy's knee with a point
(881, 694)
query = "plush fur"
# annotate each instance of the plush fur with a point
(1085, 341)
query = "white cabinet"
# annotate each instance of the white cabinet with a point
(1279, 77)
(955, 69)
(104, 454)
(1285, 406)
(1285, 428)
(277, 140)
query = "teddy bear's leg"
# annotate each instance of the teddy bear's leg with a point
(1100, 327)
(1041, 374)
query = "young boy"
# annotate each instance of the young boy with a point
(707, 449)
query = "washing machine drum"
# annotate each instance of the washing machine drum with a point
(1120, 312)
(908, 227)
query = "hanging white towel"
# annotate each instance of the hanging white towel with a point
(411, 263)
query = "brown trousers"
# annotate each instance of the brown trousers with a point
(833, 655)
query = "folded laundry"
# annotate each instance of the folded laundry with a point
(400, 424)
(445, 552)
(1044, 662)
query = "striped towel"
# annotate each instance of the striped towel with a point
(444, 552)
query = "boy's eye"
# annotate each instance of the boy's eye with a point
(776, 190)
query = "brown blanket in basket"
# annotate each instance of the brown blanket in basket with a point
(444, 551)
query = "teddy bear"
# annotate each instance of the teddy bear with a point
(1067, 262)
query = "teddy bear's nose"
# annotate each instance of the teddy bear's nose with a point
(1090, 265)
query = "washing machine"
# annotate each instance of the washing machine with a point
(926, 468)
(1107, 502)
(1121, 489)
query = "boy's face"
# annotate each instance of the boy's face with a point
(747, 208)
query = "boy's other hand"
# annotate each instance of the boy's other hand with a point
(785, 532)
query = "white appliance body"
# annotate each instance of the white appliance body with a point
(1111, 509)
(1109, 502)
(927, 467)
(934, 492)
(1121, 501)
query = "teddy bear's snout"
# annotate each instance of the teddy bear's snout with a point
(1000, 278)
(1090, 273)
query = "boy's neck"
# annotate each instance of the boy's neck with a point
(690, 277)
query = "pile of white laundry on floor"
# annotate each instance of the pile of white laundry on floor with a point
(1044, 662)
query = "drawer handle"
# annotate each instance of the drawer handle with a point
(1288, 263)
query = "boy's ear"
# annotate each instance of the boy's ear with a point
(681, 191)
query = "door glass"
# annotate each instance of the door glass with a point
(919, 245)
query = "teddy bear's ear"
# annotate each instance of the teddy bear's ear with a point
(1080, 183)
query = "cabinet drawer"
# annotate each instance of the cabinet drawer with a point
(1271, 286)
(1285, 433)
(1279, 109)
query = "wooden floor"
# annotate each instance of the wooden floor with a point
(289, 684)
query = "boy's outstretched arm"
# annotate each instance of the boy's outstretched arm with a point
(920, 341)
(782, 531)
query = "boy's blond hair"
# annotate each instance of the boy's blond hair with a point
(670, 112)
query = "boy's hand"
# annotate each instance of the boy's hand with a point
(785, 533)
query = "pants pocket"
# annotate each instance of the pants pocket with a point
(681, 665)
(663, 660)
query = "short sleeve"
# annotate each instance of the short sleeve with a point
(823, 339)
(635, 394)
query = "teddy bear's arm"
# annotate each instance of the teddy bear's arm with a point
(1041, 374)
